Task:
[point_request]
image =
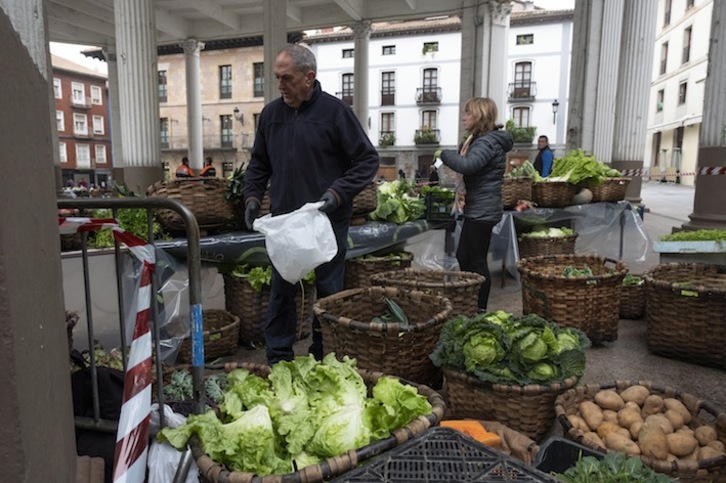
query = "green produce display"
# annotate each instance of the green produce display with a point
(578, 169)
(397, 202)
(394, 314)
(550, 232)
(696, 235)
(525, 169)
(257, 276)
(133, 220)
(631, 280)
(573, 271)
(613, 468)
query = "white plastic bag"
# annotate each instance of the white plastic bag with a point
(164, 459)
(299, 241)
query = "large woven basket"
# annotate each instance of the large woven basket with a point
(710, 470)
(553, 194)
(366, 201)
(345, 319)
(251, 307)
(530, 246)
(632, 301)
(203, 196)
(589, 303)
(221, 336)
(515, 189)
(528, 409)
(686, 312)
(358, 270)
(214, 472)
(461, 288)
(612, 189)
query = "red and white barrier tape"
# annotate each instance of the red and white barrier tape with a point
(705, 171)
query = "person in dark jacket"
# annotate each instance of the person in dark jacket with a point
(544, 160)
(208, 171)
(310, 147)
(184, 171)
(481, 162)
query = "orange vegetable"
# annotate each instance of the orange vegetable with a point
(475, 430)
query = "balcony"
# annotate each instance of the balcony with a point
(387, 138)
(388, 98)
(346, 96)
(428, 95)
(209, 142)
(522, 91)
(427, 136)
(84, 103)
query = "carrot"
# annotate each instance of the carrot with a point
(473, 429)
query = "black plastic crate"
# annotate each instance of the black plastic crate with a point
(438, 206)
(443, 454)
(559, 454)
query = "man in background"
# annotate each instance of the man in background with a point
(184, 171)
(545, 158)
(208, 170)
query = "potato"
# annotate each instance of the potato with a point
(674, 404)
(675, 418)
(662, 421)
(592, 414)
(652, 440)
(704, 434)
(608, 427)
(609, 399)
(635, 429)
(610, 416)
(578, 423)
(618, 442)
(632, 404)
(708, 452)
(671, 458)
(594, 438)
(627, 416)
(680, 444)
(684, 430)
(717, 445)
(636, 394)
(653, 404)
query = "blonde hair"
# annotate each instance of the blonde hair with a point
(484, 111)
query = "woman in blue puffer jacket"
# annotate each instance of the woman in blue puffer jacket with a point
(481, 163)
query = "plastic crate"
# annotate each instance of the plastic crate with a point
(438, 206)
(443, 454)
(559, 454)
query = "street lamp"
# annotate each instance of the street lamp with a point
(555, 108)
(239, 115)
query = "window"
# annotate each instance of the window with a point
(60, 121)
(389, 50)
(682, 89)
(256, 119)
(164, 128)
(100, 154)
(430, 47)
(520, 116)
(689, 4)
(667, 13)
(83, 156)
(686, 45)
(348, 85)
(225, 81)
(660, 97)
(526, 39)
(348, 53)
(429, 120)
(663, 57)
(57, 91)
(80, 124)
(430, 80)
(62, 152)
(258, 85)
(522, 81)
(96, 95)
(388, 88)
(227, 137)
(388, 129)
(162, 86)
(98, 127)
(79, 94)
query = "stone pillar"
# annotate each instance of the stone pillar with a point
(633, 93)
(709, 203)
(194, 104)
(361, 34)
(471, 22)
(494, 55)
(114, 109)
(138, 93)
(275, 38)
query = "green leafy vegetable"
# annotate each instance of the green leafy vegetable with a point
(526, 169)
(612, 468)
(573, 271)
(578, 169)
(397, 202)
(550, 232)
(696, 235)
(258, 276)
(133, 220)
(631, 280)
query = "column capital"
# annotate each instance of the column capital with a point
(109, 53)
(500, 12)
(191, 46)
(362, 29)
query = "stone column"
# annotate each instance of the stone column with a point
(494, 55)
(138, 93)
(194, 104)
(471, 22)
(275, 38)
(633, 92)
(709, 203)
(361, 34)
(114, 109)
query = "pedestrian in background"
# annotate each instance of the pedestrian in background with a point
(481, 163)
(544, 160)
(310, 147)
(184, 171)
(208, 171)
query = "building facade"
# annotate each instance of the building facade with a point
(82, 124)
(677, 90)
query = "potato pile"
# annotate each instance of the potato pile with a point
(639, 423)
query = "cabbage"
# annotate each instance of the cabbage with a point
(340, 431)
(482, 350)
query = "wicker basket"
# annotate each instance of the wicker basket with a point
(515, 189)
(685, 307)
(553, 194)
(221, 335)
(216, 473)
(203, 196)
(612, 189)
(461, 288)
(251, 307)
(530, 246)
(632, 301)
(366, 201)
(591, 304)
(710, 470)
(528, 409)
(358, 270)
(345, 319)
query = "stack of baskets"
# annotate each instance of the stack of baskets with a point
(392, 348)
(685, 307)
(205, 197)
(553, 194)
(632, 300)
(461, 288)
(612, 189)
(221, 336)
(589, 303)
(554, 245)
(515, 189)
(251, 305)
(358, 270)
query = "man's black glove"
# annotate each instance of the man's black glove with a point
(252, 209)
(330, 202)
